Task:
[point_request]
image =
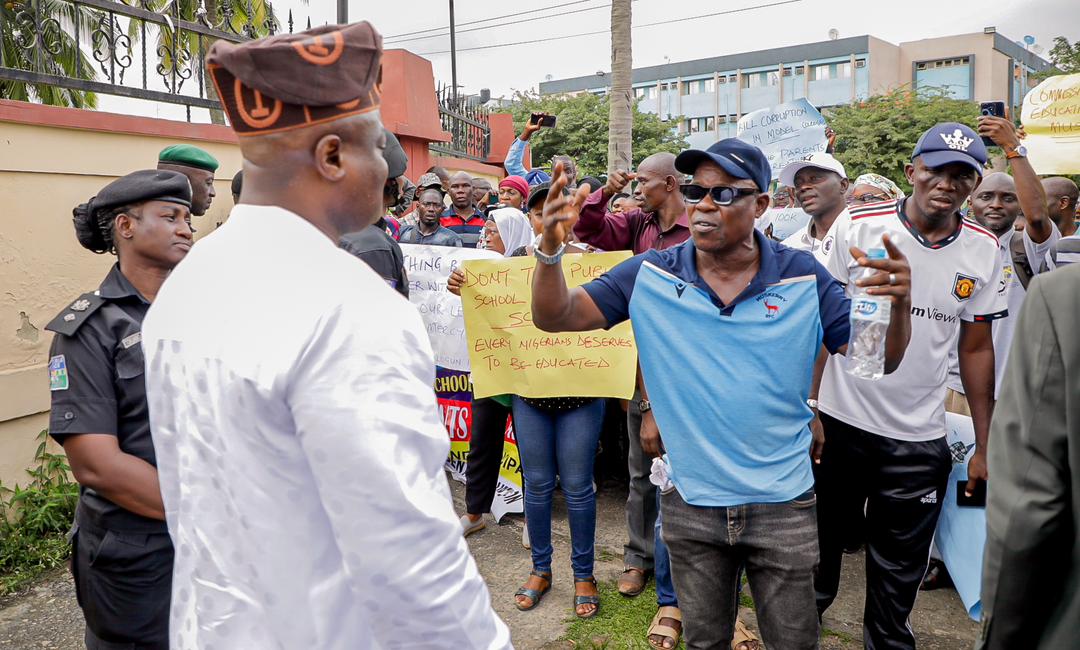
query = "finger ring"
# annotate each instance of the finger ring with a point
(892, 278)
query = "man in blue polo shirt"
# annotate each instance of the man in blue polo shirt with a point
(728, 394)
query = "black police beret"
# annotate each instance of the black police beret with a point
(136, 187)
(144, 185)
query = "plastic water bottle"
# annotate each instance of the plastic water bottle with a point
(869, 324)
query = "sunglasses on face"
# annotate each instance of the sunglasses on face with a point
(721, 195)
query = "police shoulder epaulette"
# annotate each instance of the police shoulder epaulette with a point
(68, 321)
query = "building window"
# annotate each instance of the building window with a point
(759, 79)
(827, 71)
(952, 75)
(860, 63)
(697, 87)
(648, 92)
(699, 124)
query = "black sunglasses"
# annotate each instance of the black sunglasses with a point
(721, 195)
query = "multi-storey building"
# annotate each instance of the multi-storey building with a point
(712, 94)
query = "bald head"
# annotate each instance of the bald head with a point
(658, 182)
(662, 164)
(1061, 199)
(461, 191)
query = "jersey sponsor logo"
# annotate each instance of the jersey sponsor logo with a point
(929, 498)
(933, 313)
(963, 286)
(58, 374)
(771, 301)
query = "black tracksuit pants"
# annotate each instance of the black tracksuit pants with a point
(901, 484)
(485, 454)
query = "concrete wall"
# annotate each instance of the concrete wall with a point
(51, 160)
(884, 64)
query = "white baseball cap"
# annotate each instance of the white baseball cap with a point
(819, 160)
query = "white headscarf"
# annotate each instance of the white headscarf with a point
(514, 228)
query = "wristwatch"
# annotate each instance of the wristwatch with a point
(1019, 152)
(644, 406)
(549, 259)
(812, 403)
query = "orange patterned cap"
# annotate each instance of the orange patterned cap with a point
(294, 81)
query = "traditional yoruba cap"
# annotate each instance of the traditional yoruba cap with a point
(817, 161)
(517, 183)
(185, 154)
(396, 160)
(951, 142)
(738, 158)
(140, 186)
(293, 81)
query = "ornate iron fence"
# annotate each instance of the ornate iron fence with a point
(470, 134)
(91, 46)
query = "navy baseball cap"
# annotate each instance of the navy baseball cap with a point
(951, 142)
(738, 158)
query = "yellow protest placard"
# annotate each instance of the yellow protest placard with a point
(1051, 118)
(509, 355)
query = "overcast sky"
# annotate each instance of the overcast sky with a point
(524, 66)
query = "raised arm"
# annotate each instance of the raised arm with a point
(1029, 189)
(605, 230)
(556, 308)
(516, 154)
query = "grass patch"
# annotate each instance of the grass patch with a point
(35, 519)
(621, 623)
(843, 636)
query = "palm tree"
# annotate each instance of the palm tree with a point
(37, 37)
(620, 116)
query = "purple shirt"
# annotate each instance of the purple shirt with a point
(635, 230)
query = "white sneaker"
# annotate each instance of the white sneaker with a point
(469, 526)
(525, 535)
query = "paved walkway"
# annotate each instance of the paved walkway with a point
(46, 615)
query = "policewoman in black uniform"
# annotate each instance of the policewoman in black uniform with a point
(121, 553)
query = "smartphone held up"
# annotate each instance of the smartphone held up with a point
(543, 120)
(991, 109)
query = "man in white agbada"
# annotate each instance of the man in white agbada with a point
(299, 449)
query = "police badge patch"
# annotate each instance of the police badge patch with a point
(58, 374)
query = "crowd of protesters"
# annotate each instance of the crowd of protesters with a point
(769, 466)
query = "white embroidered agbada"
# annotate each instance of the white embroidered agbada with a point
(300, 452)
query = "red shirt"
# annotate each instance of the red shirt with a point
(635, 230)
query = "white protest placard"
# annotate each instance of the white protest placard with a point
(785, 133)
(428, 268)
(1051, 119)
(785, 222)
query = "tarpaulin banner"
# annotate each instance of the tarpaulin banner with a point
(454, 392)
(508, 354)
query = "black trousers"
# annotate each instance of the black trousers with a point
(901, 484)
(123, 582)
(485, 454)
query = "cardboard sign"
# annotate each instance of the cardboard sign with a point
(785, 222)
(785, 133)
(428, 268)
(510, 355)
(1051, 118)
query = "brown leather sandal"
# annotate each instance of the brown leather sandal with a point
(656, 628)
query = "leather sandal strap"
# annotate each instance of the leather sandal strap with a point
(586, 600)
(664, 631)
(669, 612)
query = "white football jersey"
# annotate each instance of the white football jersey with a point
(957, 278)
(804, 239)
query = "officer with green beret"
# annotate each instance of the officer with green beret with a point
(122, 556)
(199, 166)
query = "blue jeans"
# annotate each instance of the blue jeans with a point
(665, 588)
(563, 444)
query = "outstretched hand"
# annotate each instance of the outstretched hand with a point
(895, 277)
(560, 211)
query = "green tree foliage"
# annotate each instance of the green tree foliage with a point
(55, 53)
(1065, 57)
(878, 134)
(582, 130)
